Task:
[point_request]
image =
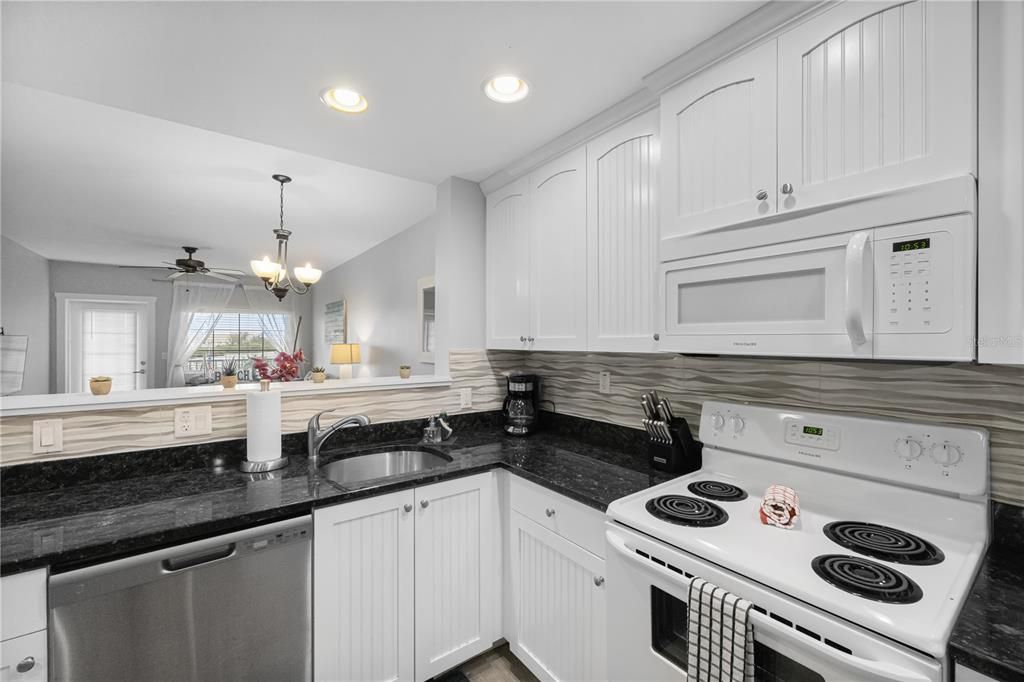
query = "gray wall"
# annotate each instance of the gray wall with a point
(25, 309)
(86, 278)
(379, 287)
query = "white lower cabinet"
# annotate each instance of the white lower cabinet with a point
(23, 651)
(559, 603)
(406, 585)
(23, 659)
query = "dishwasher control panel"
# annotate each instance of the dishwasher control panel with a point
(283, 537)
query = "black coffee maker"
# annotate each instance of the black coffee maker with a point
(520, 406)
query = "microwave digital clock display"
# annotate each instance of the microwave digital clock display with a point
(912, 245)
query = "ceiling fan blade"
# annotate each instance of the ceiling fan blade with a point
(146, 267)
(227, 271)
(176, 275)
(217, 275)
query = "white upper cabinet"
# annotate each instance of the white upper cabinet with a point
(508, 266)
(875, 96)
(558, 255)
(718, 139)
(622, 223)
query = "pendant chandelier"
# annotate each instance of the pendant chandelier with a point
(276, 278)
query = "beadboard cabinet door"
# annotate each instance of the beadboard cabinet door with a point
(622, 236)
(875, 96)
(558, 595)
(363, 626)
(508, 266)
(558, 254)
(458, 572)
(718, 138)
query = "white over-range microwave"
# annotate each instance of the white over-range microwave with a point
(891, 276)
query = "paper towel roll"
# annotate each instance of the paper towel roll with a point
(263, 426)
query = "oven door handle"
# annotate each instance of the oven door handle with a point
(855, 667)
(856, 259)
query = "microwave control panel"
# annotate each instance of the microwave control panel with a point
(914, 275)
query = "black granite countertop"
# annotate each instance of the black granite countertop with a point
(989, 635)
(71, 526)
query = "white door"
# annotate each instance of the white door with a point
(718, 147)
(363, 586)
(875, 96)
(622, 236)
(558, 254)
(508, 266)
(107, 336)
(559, 601)
(458, 572)
(23, 659)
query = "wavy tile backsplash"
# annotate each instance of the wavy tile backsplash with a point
(986, 396)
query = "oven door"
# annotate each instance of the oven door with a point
(648, 584)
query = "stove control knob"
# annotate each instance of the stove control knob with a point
(737, 423)
(908, 449)
(717, 421)
(946, 454)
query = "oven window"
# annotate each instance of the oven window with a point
(668, 626)
(771, 666)
(669, 634)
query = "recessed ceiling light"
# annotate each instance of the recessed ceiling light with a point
(343, 99)
(506, 89)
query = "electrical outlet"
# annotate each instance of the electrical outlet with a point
(47, 436)
(604, 382)
(193, 421)
(465, 398)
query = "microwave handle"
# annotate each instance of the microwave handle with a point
(862, 669)
(856, 259)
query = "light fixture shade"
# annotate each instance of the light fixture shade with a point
(307, 275)
(266, 269)
(344, 353)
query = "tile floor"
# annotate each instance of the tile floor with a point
(496, 665)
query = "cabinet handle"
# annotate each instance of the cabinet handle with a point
(787, 188)
(549, 512)
(408, 507)
(761, 195)
(599, 580)
(26, 664)
(424, 503)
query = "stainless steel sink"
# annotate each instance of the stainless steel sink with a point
(373, 465)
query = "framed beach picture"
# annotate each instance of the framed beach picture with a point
(335, 322)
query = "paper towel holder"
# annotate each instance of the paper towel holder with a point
(249, 467)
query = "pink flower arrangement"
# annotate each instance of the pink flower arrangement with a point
(286, 366)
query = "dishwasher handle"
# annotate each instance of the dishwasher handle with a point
(198, 558)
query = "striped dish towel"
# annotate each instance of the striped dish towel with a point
(721, 638)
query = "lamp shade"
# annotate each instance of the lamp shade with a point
(344, 353)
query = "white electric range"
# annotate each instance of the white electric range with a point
(867, 585)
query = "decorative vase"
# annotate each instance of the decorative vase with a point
(319, 377)
(100, 386)
(228, 381)
(405, 372)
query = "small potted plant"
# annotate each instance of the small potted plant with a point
(319, 374)
(404, 371)
(229, 374)
(100, 385)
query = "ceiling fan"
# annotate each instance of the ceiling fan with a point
(191, 266)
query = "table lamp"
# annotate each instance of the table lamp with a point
(345, 354)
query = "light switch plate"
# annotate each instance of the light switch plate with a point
(604, 382)
(47, 436)
(193, 421)
(465, 398)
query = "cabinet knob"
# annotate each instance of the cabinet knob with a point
(599, 580)
(26, 664)
(424, 503)
(787, 188)
(550, 512)
(522, 339)
(530, 339)
(761, 195)
(657, 337)
(408, 507)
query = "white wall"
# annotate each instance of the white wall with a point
(379, 288)
(25, 309)
(86, 278)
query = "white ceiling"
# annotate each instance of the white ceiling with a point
(255, 69)
(132, 128)
(84, 182)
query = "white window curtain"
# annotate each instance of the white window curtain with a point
(279, 329)
(183, 338)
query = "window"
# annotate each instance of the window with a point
(236, 336)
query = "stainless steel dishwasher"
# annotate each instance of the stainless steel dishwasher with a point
(231, 607)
